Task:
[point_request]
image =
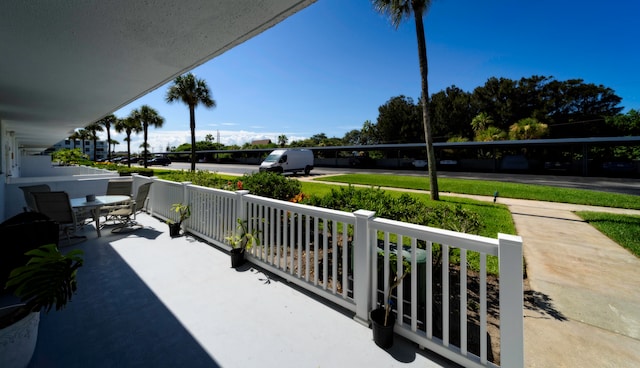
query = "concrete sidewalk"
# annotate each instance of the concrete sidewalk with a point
(583, 309)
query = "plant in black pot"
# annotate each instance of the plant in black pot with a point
(242, 240)
(47, 280)
(184, 212)
(383, 318)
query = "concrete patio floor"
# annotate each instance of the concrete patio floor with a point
(147, 300)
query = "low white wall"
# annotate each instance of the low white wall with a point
(78, 186)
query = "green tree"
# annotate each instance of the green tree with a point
(529, 128)
(75, 136)
(481, 122)
(83, 134)
(93, 130)
(147, 116)
(352, 137)
(625, 124)
(282, 140)
(397, 11)
(399, 121)
(107, 122)
(192, 92)
(491, 134)
(450, 112)
(128, 125)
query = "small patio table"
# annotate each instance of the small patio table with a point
(94, 206)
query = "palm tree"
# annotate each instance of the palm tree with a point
(147, 116)
(83, 134)
(106, 122)
(397, 11)
(73, 137)
(128, 125)
(92, 130)
(191, 91)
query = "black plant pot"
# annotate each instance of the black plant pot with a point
(174, 229)
(237, 257)
(383, 335)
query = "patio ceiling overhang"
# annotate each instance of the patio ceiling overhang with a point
(67, 64)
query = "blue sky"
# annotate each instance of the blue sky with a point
(328, 68)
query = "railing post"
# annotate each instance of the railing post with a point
(240, 208)
(511, 301)
(362, 266)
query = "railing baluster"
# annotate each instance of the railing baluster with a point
(345, 260)
(445, 294)
(414, 285)
(325, 253)
(300, 245)
(307, 241)
(483, 308)
(399, 272)
(463, 301)
(429, 281)
(316, 250)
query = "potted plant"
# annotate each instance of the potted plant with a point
(47, 280)
(184, 212)
(383, 318)
(242, 240)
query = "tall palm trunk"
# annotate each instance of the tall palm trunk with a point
(424, 72)
(144, 148)
(192, 126)
(128, 150)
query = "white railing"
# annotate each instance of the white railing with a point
(343, 257)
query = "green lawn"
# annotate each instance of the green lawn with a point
(488, 188)
(623, 229)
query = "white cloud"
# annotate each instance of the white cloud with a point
(159, 139)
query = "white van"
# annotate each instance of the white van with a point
(288, 160)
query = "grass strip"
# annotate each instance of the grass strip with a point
(623, 229)
(488, 188)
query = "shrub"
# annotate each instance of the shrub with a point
(403, 208)
(127, 171)
(271, 185)
(202, 178)
(349, 199)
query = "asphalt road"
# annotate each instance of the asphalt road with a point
(615, 185)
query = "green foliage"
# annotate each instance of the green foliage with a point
(528, 128)
(70, 157)
(623, 229)
(403, 207)
(127, 171)
(48, 279)
(506, 189)
(271, 185)
(243, 238)
(183, 211)
(202, 178)
(400, 121)
(456, 218)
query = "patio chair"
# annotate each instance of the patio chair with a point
(119, 187)
(115, 187)
(28, 198)
(125, 215)
(57, 206)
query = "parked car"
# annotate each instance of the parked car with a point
(160, 161)
(420, 164)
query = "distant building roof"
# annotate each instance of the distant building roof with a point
(258, 142)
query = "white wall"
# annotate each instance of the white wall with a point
(14, 202)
